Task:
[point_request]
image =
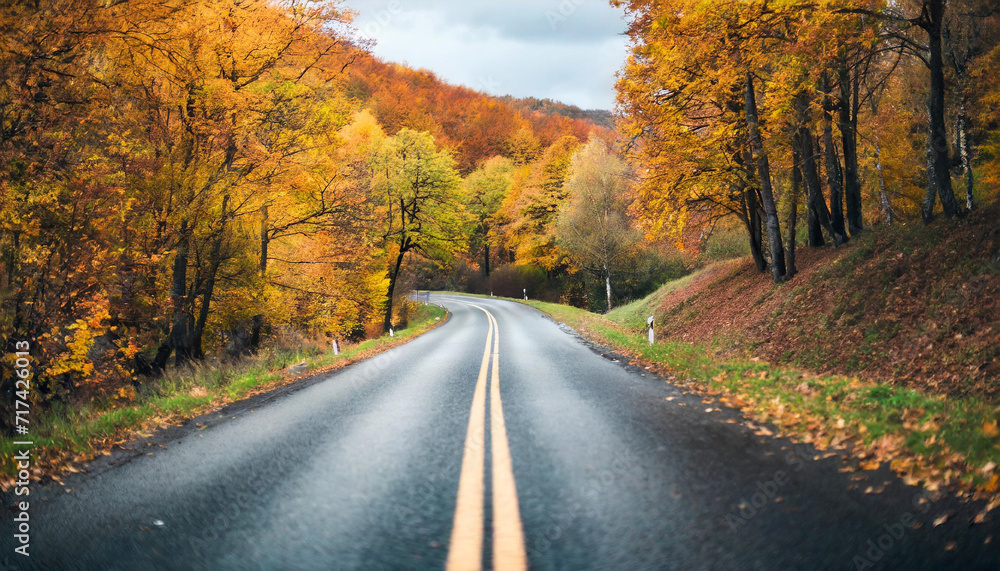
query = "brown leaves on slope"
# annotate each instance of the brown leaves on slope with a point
(918, 307)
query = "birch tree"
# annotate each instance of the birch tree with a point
(594, 226)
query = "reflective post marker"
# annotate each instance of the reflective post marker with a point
(649, 325)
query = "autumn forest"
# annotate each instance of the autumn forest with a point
(191, 181)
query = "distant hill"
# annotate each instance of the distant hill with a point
(474, 125)
(599, 117)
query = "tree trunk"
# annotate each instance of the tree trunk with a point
(256, 326)
(938, 139)
(750, 212)
(753, 225)
(887, 214)
(265, 241)
(607, 285)
(834, 176)
(184, 339)
(848, 123)
(793, 214)
(257, 322)
(814, 231)
(178, 338)
(10, 257)
(965, 149)
(819, 214)
(766, 192)
(930, 192)
(214, 261)
(394, 273)
(486, 258)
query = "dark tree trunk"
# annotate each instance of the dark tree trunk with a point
(163, 352)
(265, 241)
(199, 326)
(750, 211)
(393, 275)
(834, 176)
(257, 322)
(819, 214)
(814, 231)
(752, 221)
(793, 213)
(848, 123)
(214, 261)
(938, 140)
(255, 329)
(486, 258)
(178, 339)
(766, 192)
(10, 256)
(183, 339)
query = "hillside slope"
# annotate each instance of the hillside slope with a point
(475, 126)
(910, 305)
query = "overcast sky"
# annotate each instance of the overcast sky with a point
(567, 50)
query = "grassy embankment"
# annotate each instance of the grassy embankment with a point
(885, 348)
(66, 437)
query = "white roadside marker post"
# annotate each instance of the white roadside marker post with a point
(336, 347)
(391, 332)
(649, 325)
(525, 294)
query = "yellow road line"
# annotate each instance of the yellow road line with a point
(508, 535)
(465, 551)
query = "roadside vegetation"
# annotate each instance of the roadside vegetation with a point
(852, 362)
(913, 306)
(932, 440)
(66, 437)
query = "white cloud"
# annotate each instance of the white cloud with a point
(568, 50)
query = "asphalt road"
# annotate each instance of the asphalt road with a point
(581, 463)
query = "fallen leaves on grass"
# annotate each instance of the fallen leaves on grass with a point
(990, 429)
(992, 484)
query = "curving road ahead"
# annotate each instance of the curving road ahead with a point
(498, 440)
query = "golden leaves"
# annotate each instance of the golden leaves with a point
(126, 393)
(993, 484)
(990, 429)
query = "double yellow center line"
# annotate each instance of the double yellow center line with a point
(466, 548)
